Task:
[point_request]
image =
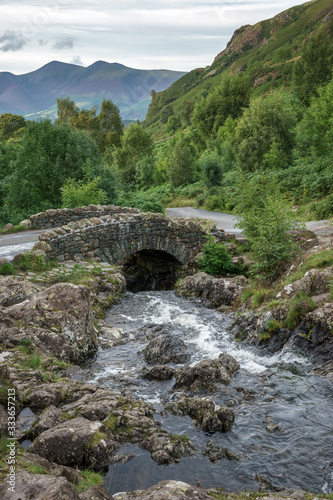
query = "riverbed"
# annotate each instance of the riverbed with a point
(279, 388)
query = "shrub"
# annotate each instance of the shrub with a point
(216, 259)
(7, 269)
(300, 305)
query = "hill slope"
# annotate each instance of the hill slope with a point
(33, 94)
(265, 52)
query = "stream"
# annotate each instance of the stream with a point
(279, 388)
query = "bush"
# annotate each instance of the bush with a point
(7, 269)
(300, 305)
(216, 259)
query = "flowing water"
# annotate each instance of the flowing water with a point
(279, 387)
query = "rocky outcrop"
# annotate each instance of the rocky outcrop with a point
(15, 289)
(160, 372)
(207, 374)
(171, 490)
(314, 282)
(214, 453)
(204, 412)
(212, 292)
(63, 309)
(79, 442)
(165, 349)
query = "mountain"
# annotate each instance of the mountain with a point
(265, 52)
(34, 94)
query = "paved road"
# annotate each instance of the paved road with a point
(11, 244)
(223, 221)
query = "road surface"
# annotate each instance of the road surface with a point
(223, 221)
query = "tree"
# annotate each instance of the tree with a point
(314, 67)
(48, 155)
(110, 127)
(269, 119)
(66, 109)
(228, 99)
(210, 164)
(10, 125)
(268, 223)
(78, 193)
(136, 145)
(180, 165)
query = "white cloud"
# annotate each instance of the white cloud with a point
(11, 41)
(164, 33)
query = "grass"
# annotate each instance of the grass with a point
(15, 229)
(34, 361)
(96, 439)
(300, 305)
(318, 260)
(27, 345)
(28, 262)
(79, 275)
(36, 469)
(91, 478)
(175, 437)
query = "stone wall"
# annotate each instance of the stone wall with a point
(112, 238)
(59, 217)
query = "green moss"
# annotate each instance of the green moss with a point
(300, 305)
(175, 437)
(111, 422)
(34, 361)
(36, 469)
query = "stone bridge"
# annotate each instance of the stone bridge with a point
(150, 247)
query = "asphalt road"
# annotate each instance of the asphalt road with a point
(223, 221)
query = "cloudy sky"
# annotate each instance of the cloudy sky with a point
(153, 34)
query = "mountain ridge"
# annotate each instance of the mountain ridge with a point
(34, 94)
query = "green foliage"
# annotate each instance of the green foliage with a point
(48, 155)
(7, 269)
(66, 110)
(210, 164)
(269, 224)
(259, 297)
(11, 125)
(27, 345)
(314, 67)
(33, 361)
(91, 478)
(216, 260)
(300, 305)
(180, 168)
(82, 193)
(32, 262)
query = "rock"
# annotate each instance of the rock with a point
(3, 421)
(204, 413)
(109, 336)
(26, 224)
(63, 308)
(272, 426)
(39, 487)
(214, 453)
(212, 292)
(8, 227)
(172, 490)
(40, 398)
(95, 493)
(49, 418)
(78, 442)
(165, 448)
(314, 282)
(160, 372)
(165, 349)
(207, 373)
(14, 289)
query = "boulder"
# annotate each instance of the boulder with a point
(314, 282)
(77, 442)
(160, 372)
(64, 309)
(207, 373)
(49, 418)
(15, 289)
(214, 453)
(165, 349)
(95, 493)
(165, 449)
(204, 412)
(172, 490)
(212, 292)
(39, 487)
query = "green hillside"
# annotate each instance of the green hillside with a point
(265, 53)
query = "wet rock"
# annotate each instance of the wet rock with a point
(207, 373)
(95, 406)
(165, 349)
(78, 442)
(172, 490)
(15, 289)
(44, 397)
(272, 426)
(214, 453)
(109, 336)
(213, 292)
(39, 487)
(160, 372)
(204, 413)
(29, 459)
(165, 449)
(64, 309)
